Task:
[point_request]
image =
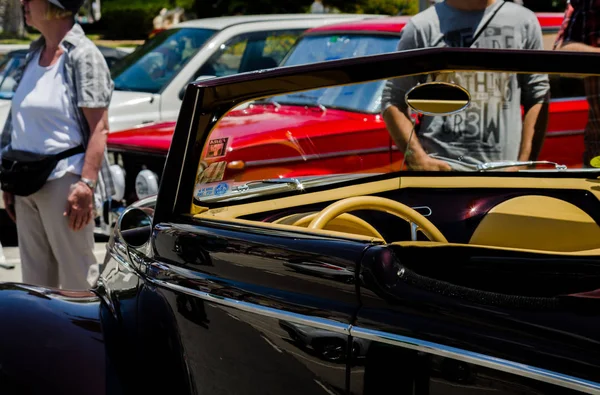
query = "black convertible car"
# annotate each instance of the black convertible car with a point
(374, 280)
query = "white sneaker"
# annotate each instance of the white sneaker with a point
(3, 263)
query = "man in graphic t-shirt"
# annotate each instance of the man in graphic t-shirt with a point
(492, 127)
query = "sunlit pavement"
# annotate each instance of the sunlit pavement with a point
(13, 259)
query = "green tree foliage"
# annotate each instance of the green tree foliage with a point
(386, 7)
(132, 19)
(206, 8)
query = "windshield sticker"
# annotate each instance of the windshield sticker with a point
(212, 190)
(595, 162)
(221, 189)
(217, 148)
(212, 173)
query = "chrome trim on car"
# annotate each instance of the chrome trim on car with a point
(315, 322)
(503, 365)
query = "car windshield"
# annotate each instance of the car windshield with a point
(358, 98)
(153, 65)
(449, 121)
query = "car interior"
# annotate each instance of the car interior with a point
(540, 212)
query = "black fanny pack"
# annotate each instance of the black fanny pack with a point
(23, 173)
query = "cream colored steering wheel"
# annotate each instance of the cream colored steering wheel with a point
(379, 204)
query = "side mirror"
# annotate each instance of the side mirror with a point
(438, 98)
(134, 227)
(201, 78)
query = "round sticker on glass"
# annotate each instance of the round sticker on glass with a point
(595, 162)
(221, 189)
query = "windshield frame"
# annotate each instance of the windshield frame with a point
(120, 66)
(207, 102)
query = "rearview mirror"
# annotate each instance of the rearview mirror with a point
(438, 98)
(135, 227)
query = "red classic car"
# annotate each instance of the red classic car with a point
(308, 132)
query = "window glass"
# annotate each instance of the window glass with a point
(152, 66)
(359, 97)
(464, 121)
(249, 52)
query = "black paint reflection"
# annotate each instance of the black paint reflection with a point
(229, 351)
(327, 345)
(391, 369)
(449, 297)
(193, 309)
(295, 274)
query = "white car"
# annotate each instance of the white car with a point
(150, 83)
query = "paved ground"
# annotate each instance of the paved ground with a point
(12, 258)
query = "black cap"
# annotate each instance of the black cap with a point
(69, 5)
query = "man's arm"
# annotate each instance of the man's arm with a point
(535, 98)
(535, 124)
(400, 127)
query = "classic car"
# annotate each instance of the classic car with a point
(336, 121)
(149, 86)
(482, 281)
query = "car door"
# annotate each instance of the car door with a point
(443, 321)
(230, 309)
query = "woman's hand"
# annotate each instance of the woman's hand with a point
(9, 205)
(80, 206)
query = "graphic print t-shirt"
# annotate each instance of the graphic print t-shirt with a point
(490, 128)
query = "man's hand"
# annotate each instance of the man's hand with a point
(80, 206)
(427, 163)
(9, 205)
(515, 168)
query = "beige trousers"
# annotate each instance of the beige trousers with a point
(52, 254)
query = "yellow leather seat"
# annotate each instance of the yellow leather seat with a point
(538, 223)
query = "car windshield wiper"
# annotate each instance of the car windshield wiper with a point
(292, 182)
(510, 163)
(277, 104)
